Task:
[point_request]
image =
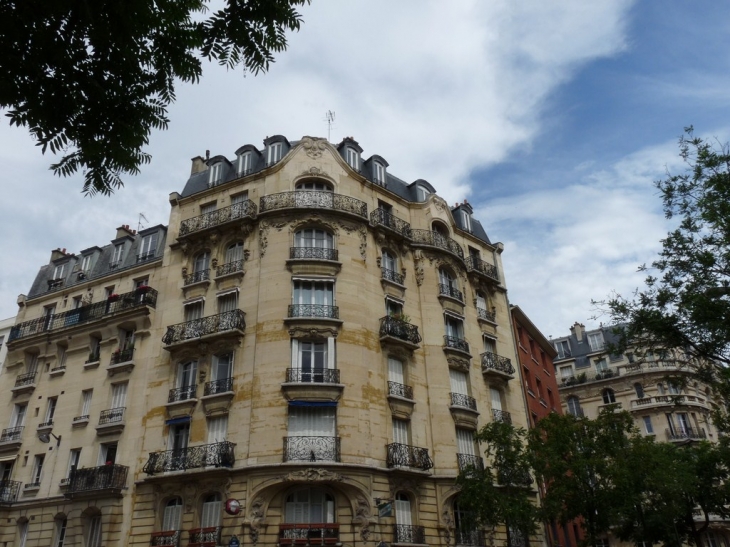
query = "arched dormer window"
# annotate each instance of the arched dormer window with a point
(314, 243)
(244, 163)
(378, 173)
(352, 156)
(216, 170)
(276, 147)
(608, 396)
(574, 406)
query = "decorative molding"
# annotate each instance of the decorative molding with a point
(418, 266)
(311, 475)
(410, 485)
(314, 147)
(256, 518)
(304, 332)
(440, 203)
(264, 228)
(460, 364)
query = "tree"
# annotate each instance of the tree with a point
(92, 79)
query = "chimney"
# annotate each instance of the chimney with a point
(198, 165)
(58, 253)
(578, 329)
(124, 231)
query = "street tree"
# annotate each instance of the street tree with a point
(91, 80)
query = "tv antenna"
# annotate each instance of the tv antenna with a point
(139, 222)
(329, 117)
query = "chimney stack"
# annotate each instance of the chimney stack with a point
(198, 165)
(124, 231)
(579, 330)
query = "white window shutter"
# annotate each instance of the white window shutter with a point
(330, 352)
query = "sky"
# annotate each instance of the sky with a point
(553, 119)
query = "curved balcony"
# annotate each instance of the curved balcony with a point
(218, 396)
(451, 292)
(484, 269)
(305, 534)
(400, 400)
(503, 416)
(167, 538)
(403, 455)
(192, 457)
(311, 449)
(486, 315)
(399, 331)
(400, 390)
(408, 533)
(111, 421)
(464, 410)
(9, 491)
(462, 400)
(24, 383)
(223, 323)
(685, 435)
(244, 210)
(313, 253)
(229, 268)
(218, 386)
(472, 538)
(184, 393)
(382, 218)
(393, 276)
(313, 310)
(10, 438)
(94, 480)
(434, 239)
(121, 360)
(455, 343)
(467, 462)
(497, 366)
(314, 199)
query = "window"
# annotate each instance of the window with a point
(59, 271)
(234, 252)
(86, 402)
(401, 433)
(459, 382)
(148, 248)
(481, 301)
(422, 193)
(117, 257)
(228, 301)
(6, 469)
(595, 341)
(465, 442)
(466, 221)
(22, 533)
(210, 515)
(187, 374)
(172, 514)
(50, 410)
(217, 429)
(107, 454)
(352, 157)
(310, 505)
(454, 328)
(608, 396)
(312, 421)
(48, 313)
(215, 174)
(245, 164)
(193, 310)
(674, 389)
(18, 419)
(378, 173)
(396, 378)
(389, 262)
(574, 406)
(60, 532)
(119, 395)
(179, 435)
(488, 344)
(316, 185)
(201, 264)
(601, 365)
(207, 208)
(37, 470)
(311, 357)
(61, 357)
(448, 285)
(630, 357)
(93, 535)
(77, 303)
(309, 239)
(73, 460)
(648, 426)
(538, 388)
(86, 263)
(563, 349)
(314, 292)
(403, 515)
(639, 390)
(684, 423)
(466, 534)
(222, 367)
(274, 153)
(393, 308)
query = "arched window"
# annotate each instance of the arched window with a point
(310, 505)
(466, 533)
(234, 252)
(639, 390)
(448, 286)
(172, 514)
(440, 229)
(59, 532)
(92, 526)
(608, 396)
(200, 268)
(574, 406)
(210, 516)
(314, 243)
(389, 261)
(405, 532)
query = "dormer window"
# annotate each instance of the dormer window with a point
(422, 193)
(117, 258)
(245, 164)
(215, 174)
(58, 271)
(273, 153)
(378, 173)
(86, 263)
(148, 248)
(353, 158)
(466, 221)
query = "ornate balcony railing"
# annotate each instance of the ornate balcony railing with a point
(472, 538)
(44, 425)
(25, 379)
(122, 356)
(314, 199)
(228, 320)
(166, 538)
(381, 217)
(144, 257)
(688, 434)
(460, 399)
(400, 390)
(9, 491)
(192, 457)
(467, 461)
(317, 375)
(84, 314)
(392, 275)
(80, 418)
(397, 328)
(11, 434)
(244, 209)
(475, 264)
(218, 386)
(403, 455)
(229, 268)
(514, 477)
(313, 253)
(184, 393)
(434, 239)
(111, 416)
(492, 361)
(408, 533)
(584, 377)
(486, 315)
(324, 533)
(453, 292)
(204, 536)
(97, 478)
(314, 310)
(456, 343)
(311, 449)
(197, 277)
(501, 416)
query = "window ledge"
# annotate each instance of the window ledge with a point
(92, 364)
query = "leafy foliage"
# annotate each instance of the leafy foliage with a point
(91, 80)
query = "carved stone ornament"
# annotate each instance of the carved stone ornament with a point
(448, 521)
(303, 332)
(409, 485)
(256, 518)
(362, 231)
(439, 203)
(365, 533)
(418, 266)
(461, 364)
(264, 228)
(312, 474)
(314, 147)
(184, 247)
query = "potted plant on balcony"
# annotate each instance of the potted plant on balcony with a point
(582, 378)
(142, 289)
(113, 297)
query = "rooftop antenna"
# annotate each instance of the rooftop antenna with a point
(329, 117)
(139, 222)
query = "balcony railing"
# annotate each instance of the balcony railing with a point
(309, 534)
(475, 264)
(472, 538)
(145, 257)
(398, 328)
(192, 457)
(113, 415)
(403, 455)
(462, 400)
(314, 310)
(11, 434)
(453, 292)
(85, 314)
(492, 361)
(218, 386)
(229, 320)
(501, 416)
(229, 268)
(122, 356)
(467, 462)
(514, 477)
(44, 425)
(166, 538)
(26, 379)
(184, 393)
(434, 239)
(97, 478)
(313, 253)
(392, 275)
(244, 209)
(381, 217)
(486, 315)
(9, 491)
(456, 343)
(197, 277)
(400, 390)
(314, 199)
(199, 537)
(688, 434)
(317, 375)
(311, 449)
(407, 533)
(584, 377)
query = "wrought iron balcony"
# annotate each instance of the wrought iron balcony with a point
(400, 390)
(403, 455)
(166, 538)
(460, 399)
(122, 356)
(145, 257)
(456, 343)
(314, 199)
(193, 457)
(392, 275)
(317, 375)
(381, 217)
(103, 477)
(474, 264)
(184, 393)
(222, 322)
(314, 310)
(9, 491)
(244, 209)
(467, 462)
(501, 416)
(311, 449)
(85, 314)
(397, 328)
(407, 533)
(687, 434)
(584, 377)
(472, 538)
(313, 253)
(25, 379)
(304, 534)
(453, 292)
(200, 537)
(80, 418)
(434, 239)
(229, 268)
(11, 434)
(218, 386)
(111, 416)
(197, 277)
(486, 315)
(45, 425)
(493, 362)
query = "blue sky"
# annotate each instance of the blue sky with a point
(552, 118)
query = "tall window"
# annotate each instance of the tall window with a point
(309, 505)
(179, 434)
(60, 532)
(37, 470)
(465, 442)
(274, 153)
(86, 402)
(187, 377)
(193, 311)
(202, 262)
(648, 426)
(574, 406)
(172, 515)
(481, 301)
(73, 460)
(222, 367)
(118, 256)
(639, 390)
(119, 395)
(395, 372)
(245, 163)
(312, 421)
(601, 365)
(50, 410)
(403, 515)
(378, 172)
(234, 252)
(311, 358)
(314, 238)
(563, 349)
(107, 454)
(459, 382)
(595, 341)
(314, 292)
(454, 327)
(608, 396)
(217, 429)
(466, 221)
(352, 157)
(389, 263)
(18, 419)
(401, 431)
(148, 248)
(59, 271)
(210, 515)
(215, 173)
(86, 263)
(22, 533)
